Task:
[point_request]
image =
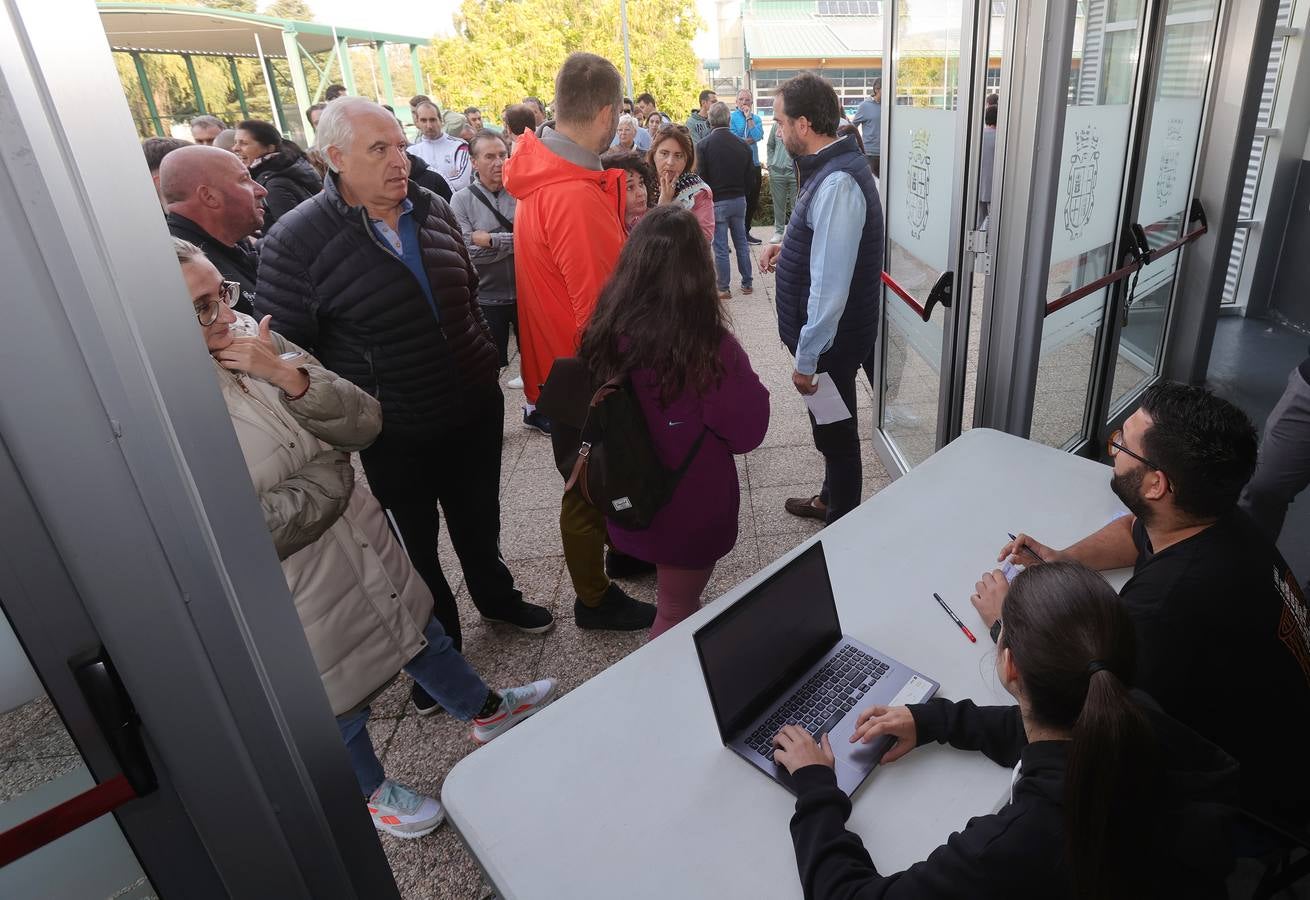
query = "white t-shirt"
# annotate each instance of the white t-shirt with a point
(449, 156)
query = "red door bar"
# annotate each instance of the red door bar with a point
(68, 816)
(904, 295)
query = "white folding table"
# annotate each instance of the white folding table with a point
(622, 788)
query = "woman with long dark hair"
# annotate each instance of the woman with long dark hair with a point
(277, 164)
(659, 321)
(672, 156)
(1111, 799)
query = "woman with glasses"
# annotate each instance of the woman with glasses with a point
(673, 157)
(366, 612)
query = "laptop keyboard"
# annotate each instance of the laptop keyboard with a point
(821, 701)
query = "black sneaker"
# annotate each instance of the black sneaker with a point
(621, 565)
(423, 701)
(526, 617)
(536, 419)
(617, 612)
(752, 239)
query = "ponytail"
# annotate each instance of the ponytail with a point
(1109, 787)
(1075, 649)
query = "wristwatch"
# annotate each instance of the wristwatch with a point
(995, 631)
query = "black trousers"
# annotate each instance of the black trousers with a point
(462, 474)
(752, 195)
(839, 442)
(500, 316)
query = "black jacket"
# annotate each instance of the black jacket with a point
(1018, 852)
(239, 263)
(289, 179)
(724, 163)
(333, 288)
(425, 176)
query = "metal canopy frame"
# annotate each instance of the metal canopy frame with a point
(191, 31)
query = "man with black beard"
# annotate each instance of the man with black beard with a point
(1222, 640)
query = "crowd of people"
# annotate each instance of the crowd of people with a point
(358, 296)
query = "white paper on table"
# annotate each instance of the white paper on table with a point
(825, 404)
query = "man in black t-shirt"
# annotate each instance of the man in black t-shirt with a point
(1222, 634)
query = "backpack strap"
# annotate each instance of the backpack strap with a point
(584, 451)
(486, 201)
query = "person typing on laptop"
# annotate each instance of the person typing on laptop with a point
(1107, 789)
(1221, 624)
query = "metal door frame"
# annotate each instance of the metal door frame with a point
(114, 424)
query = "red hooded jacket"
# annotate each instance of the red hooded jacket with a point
(568, 231)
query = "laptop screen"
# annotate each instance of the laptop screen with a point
(762, 643)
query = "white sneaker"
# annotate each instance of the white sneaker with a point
(516, 383)
(776, 239)
(403, 812)
(516, 704)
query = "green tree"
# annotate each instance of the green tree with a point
(504, 50)
(297, 10)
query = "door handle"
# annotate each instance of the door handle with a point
(113, 710)
(940, 293)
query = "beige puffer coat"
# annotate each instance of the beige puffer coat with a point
(362, 604)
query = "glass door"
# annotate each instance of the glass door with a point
(1138, 76)
(1164, 218)
(928, 140)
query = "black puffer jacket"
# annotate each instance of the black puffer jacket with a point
(425, 176)
(289, 179)
(333, 288)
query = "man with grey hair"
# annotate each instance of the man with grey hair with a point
(205, 128)
(372, 277)
(211, 201)
(447, 154)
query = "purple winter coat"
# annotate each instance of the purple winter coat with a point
(699, 524)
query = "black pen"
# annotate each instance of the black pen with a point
(954, 618)
(1027, 549)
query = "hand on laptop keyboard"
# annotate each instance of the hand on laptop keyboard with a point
(822, 701)
(797, 749)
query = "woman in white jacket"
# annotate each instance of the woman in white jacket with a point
(366, 612)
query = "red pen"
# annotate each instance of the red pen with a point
(954, 618)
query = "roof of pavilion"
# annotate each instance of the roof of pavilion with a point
(172, 28)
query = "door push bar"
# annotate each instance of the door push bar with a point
(121, 727)
(1142, 253)
(940, 293)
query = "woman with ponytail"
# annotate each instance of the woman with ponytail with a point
(1110, 799)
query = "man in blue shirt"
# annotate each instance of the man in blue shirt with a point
(747, 126)
(868, 115)
(828, 265)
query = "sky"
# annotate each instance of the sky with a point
(432, 16)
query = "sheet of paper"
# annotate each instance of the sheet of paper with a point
(825, 404)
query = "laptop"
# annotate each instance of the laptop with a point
(778, 656)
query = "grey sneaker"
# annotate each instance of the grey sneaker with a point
(516, 704)
(403, 812)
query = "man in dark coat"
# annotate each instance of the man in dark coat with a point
(372, 276)
(211, 201)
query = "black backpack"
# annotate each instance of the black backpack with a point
(603, 446)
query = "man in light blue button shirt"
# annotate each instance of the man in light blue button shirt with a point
(829, 265)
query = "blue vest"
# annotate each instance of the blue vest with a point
(857, 329)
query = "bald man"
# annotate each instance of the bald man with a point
(211, 201)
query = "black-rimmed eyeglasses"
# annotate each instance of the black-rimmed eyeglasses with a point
(228, 294)
(1115, 445)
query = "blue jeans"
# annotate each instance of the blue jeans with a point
(440, 670)
(730, 215)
